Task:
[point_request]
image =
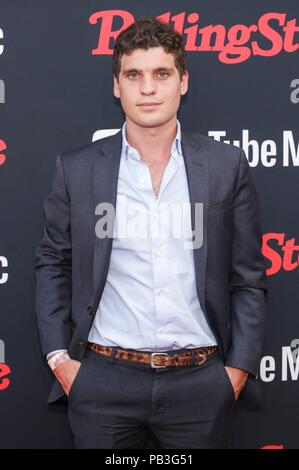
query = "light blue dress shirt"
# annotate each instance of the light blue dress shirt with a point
(149, 301)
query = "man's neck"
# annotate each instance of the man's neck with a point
(152, 143)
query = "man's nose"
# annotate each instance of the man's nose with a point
(147, 85)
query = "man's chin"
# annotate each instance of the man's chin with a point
(151, 122)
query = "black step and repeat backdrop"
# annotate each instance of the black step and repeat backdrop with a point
(56, 94)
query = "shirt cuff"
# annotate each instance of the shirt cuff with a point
(54, 352)
(57, 359)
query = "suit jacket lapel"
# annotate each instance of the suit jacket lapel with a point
(197, 169)
(105, 177)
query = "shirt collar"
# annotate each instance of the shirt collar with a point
(175, 149)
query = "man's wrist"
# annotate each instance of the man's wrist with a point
(56, 359)
(55, 351)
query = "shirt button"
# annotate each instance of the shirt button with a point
(160, 291)
(141, 180)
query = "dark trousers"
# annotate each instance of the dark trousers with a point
(113, 403)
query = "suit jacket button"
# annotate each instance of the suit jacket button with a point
(90, 310)
(82, 344)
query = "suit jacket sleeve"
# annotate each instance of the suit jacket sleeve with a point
(53, 268)
(248, 277)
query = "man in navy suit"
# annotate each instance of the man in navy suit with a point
(150, 294)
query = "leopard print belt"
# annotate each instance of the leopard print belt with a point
(157, 359)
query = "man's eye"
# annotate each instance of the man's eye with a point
(134, 75)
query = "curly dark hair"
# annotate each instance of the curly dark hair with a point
(146, 32)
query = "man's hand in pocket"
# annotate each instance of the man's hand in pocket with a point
(66, 373)
(238, 378)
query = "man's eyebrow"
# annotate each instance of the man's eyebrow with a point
(159, 69)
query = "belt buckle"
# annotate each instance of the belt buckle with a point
(153, 355)
(203, 357)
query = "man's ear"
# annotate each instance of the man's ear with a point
(184, 82)
(116, 87)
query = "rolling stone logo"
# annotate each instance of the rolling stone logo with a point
(3, 147)
(273, 447)
(280, 252)
(272, 34)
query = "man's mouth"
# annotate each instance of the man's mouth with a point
(149, 105)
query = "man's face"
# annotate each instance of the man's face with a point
(150, 76)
